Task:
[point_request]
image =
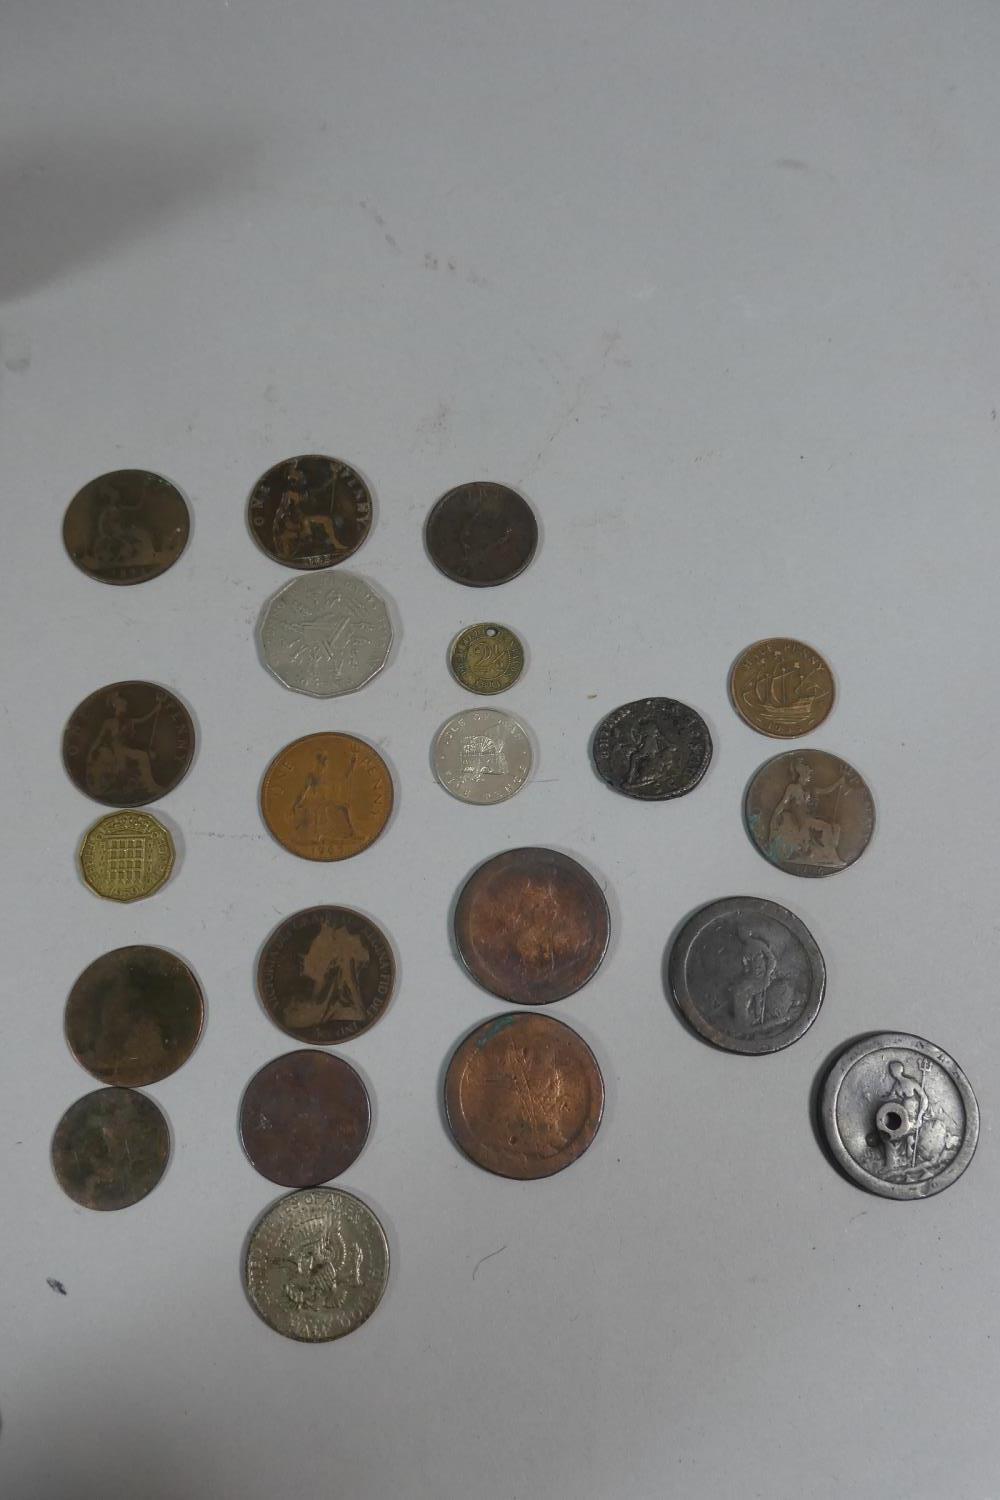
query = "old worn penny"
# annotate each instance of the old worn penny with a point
(809, 812)
(486, 658)
(126, 527)
(310, 512)
(325, 634)
(326, 974)
(126, 856)
(481, 533)
(482, 755)
(781, 687)
(134, 1015)
(326, 796)
(304, 1118)
(128, 744)
(110, 1148)
(653, 749)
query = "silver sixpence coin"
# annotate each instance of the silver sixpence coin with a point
(325, 634)
(900, 1116)
(482, 756)
(747, 974)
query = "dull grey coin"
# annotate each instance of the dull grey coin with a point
(900, 1116)
(482, 756)
(747, 975)
(325, 634)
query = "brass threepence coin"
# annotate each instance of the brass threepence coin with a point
(809, 812)
(126, 527)
(326, 796)
(310, 512)
(481, 534)
(304, 1118)
(126, 856)
(653, 749)
(325, 975)
(128, 744)
(523, 1096)
(110, 1148)
(134, 1016)
(482, 755)
(781, 687)
(486, 658)
(317, 1265)
(531, 926)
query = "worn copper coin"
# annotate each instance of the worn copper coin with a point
(134, 1016)
(126, 856)
(110, 1148)
(326, 974)
(128, 744)
(310, 512)
(326, 796)
(487, 658)
(304, 1118)
(809, 812)
(523, 1096)
(126, 527)
(531, 925)
(653, 749)
(781, 687)
(481, 533)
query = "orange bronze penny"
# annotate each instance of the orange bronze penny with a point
(327, 796)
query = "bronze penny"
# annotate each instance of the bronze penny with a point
(110, 1148)
(523, 1096)
(134, 1016)
(326, 796)
(325, 975)
(809, 812)
(532, 926)
(481, 534)
(304, 1118)
(781, 687)
(128, 744)
(126, 527)
(310, 512)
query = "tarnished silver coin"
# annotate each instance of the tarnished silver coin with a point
(809, 812)
(325, 634)
(900, 1116)
(653, 749)
(317, 1263)
(747, 974)
(482, 756)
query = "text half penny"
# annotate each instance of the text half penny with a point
(128, 744)
(310, 512)
(781, 687)
(126, 527)
(110, 1148)
(325, 975)
(809, 812)
(481, 534)
(134, 1016)
(304, 1118)
(326, 796)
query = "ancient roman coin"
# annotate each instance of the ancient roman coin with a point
(781, 687)
(481, 534)
(809, 812)
(523, 1096)
(900, 1116)
(532, 926)
(747, 974)
(134, 1016)
(126, 856)
(110, 1148)
(326, 634)
(126, 527)
(317, 1264)
(487, 658)
(304, 1118)
(326, 796)
(652, 749)
(128, 744)
(310, 512)
(325, 975)
(482, 756)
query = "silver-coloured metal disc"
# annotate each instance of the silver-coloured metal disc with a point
(325, 634)
(482, 756)
(900, 1116)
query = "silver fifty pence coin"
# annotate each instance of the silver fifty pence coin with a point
(325, 634)
(482, 756)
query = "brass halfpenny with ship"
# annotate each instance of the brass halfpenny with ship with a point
(486, 658)
(304, 1118)
(809, 812)
(126, 856)
(110, 1148)
(310, 512)
(134, 1016)
(128, 744)
(326, 796)
(326, 974)
(126, 527)
(481, 533)
(781, 687)
(523, 1096)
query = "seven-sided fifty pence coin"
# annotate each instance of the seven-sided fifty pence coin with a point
(325, 634)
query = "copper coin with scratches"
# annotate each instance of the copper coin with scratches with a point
(304, 1118)
(126, 527)
(523, 1095)
(310, 512)
(134, 1015)
(128, 744)
(326, 974)
(326, 796)
(532, 926)
(110, 1148)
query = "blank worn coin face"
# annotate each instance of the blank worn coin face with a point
(134, 1016)
(482, 756)
(325, 634)
(126, 527)
(304, 1118)
(110, 1148)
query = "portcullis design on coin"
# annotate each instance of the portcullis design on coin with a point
(128, 744)
(304, 1118)
(310, 512)
(653, 749)
(781, 687)
(110, 1149)
(134, 1016)
(126, 527)
(326, 974)
(809, 812)
(326, 796)
(325, 634)
(126, 856)
(486, 658)
(482, 756)
(481, 534)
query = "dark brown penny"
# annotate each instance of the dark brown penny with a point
(134, 1016)
(310, 512)
(126, 527)
(532, 925)
(325, 975)
(523, 1095)
(110, 1148)
(304, 1118)
(809, 812)
(128, 744)
(481, 534)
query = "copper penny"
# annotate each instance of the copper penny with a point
(110, 1148)
(532, 926)
(809, 812)
(523, 1095)
(304, 1118)
(326, 796)
(128, 744)
(781, 687)
(481, 534)
(134, 1016)
(126, 527)
(326, 974)
(310, 512)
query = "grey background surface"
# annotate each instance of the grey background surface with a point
(715, 285)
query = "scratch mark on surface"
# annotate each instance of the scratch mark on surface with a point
(485, 1258)
(56, 1286)
(376, 218)
(609, 343)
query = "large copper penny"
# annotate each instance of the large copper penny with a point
(310, 512)
(126, 527)
(326, 796)
(110, 1148)
(481, 534)
(134, 1016)
(304, 1118)
(809, 812)
(781, 687)
(523, 1095)
(326, 974)
(532, 926)
(128, 744)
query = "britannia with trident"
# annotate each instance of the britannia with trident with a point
(796, 830)
(114, 757)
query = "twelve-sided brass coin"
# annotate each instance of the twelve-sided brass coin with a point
(134, 1016)
(481, 534)
(310, 512)
(126, 527)
(304, 1118)
(110, 1148)
(809, 812)
(326, 974)
(128, 744)
(781, 687)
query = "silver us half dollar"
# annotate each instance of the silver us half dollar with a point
(325, 634)
(482, 756)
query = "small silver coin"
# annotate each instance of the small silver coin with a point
(900, 1116)
(747, 975)
(325, 634)
(482, 756)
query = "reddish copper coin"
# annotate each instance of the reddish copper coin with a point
(523, 1096)
(304, 1118)
(532, 926)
